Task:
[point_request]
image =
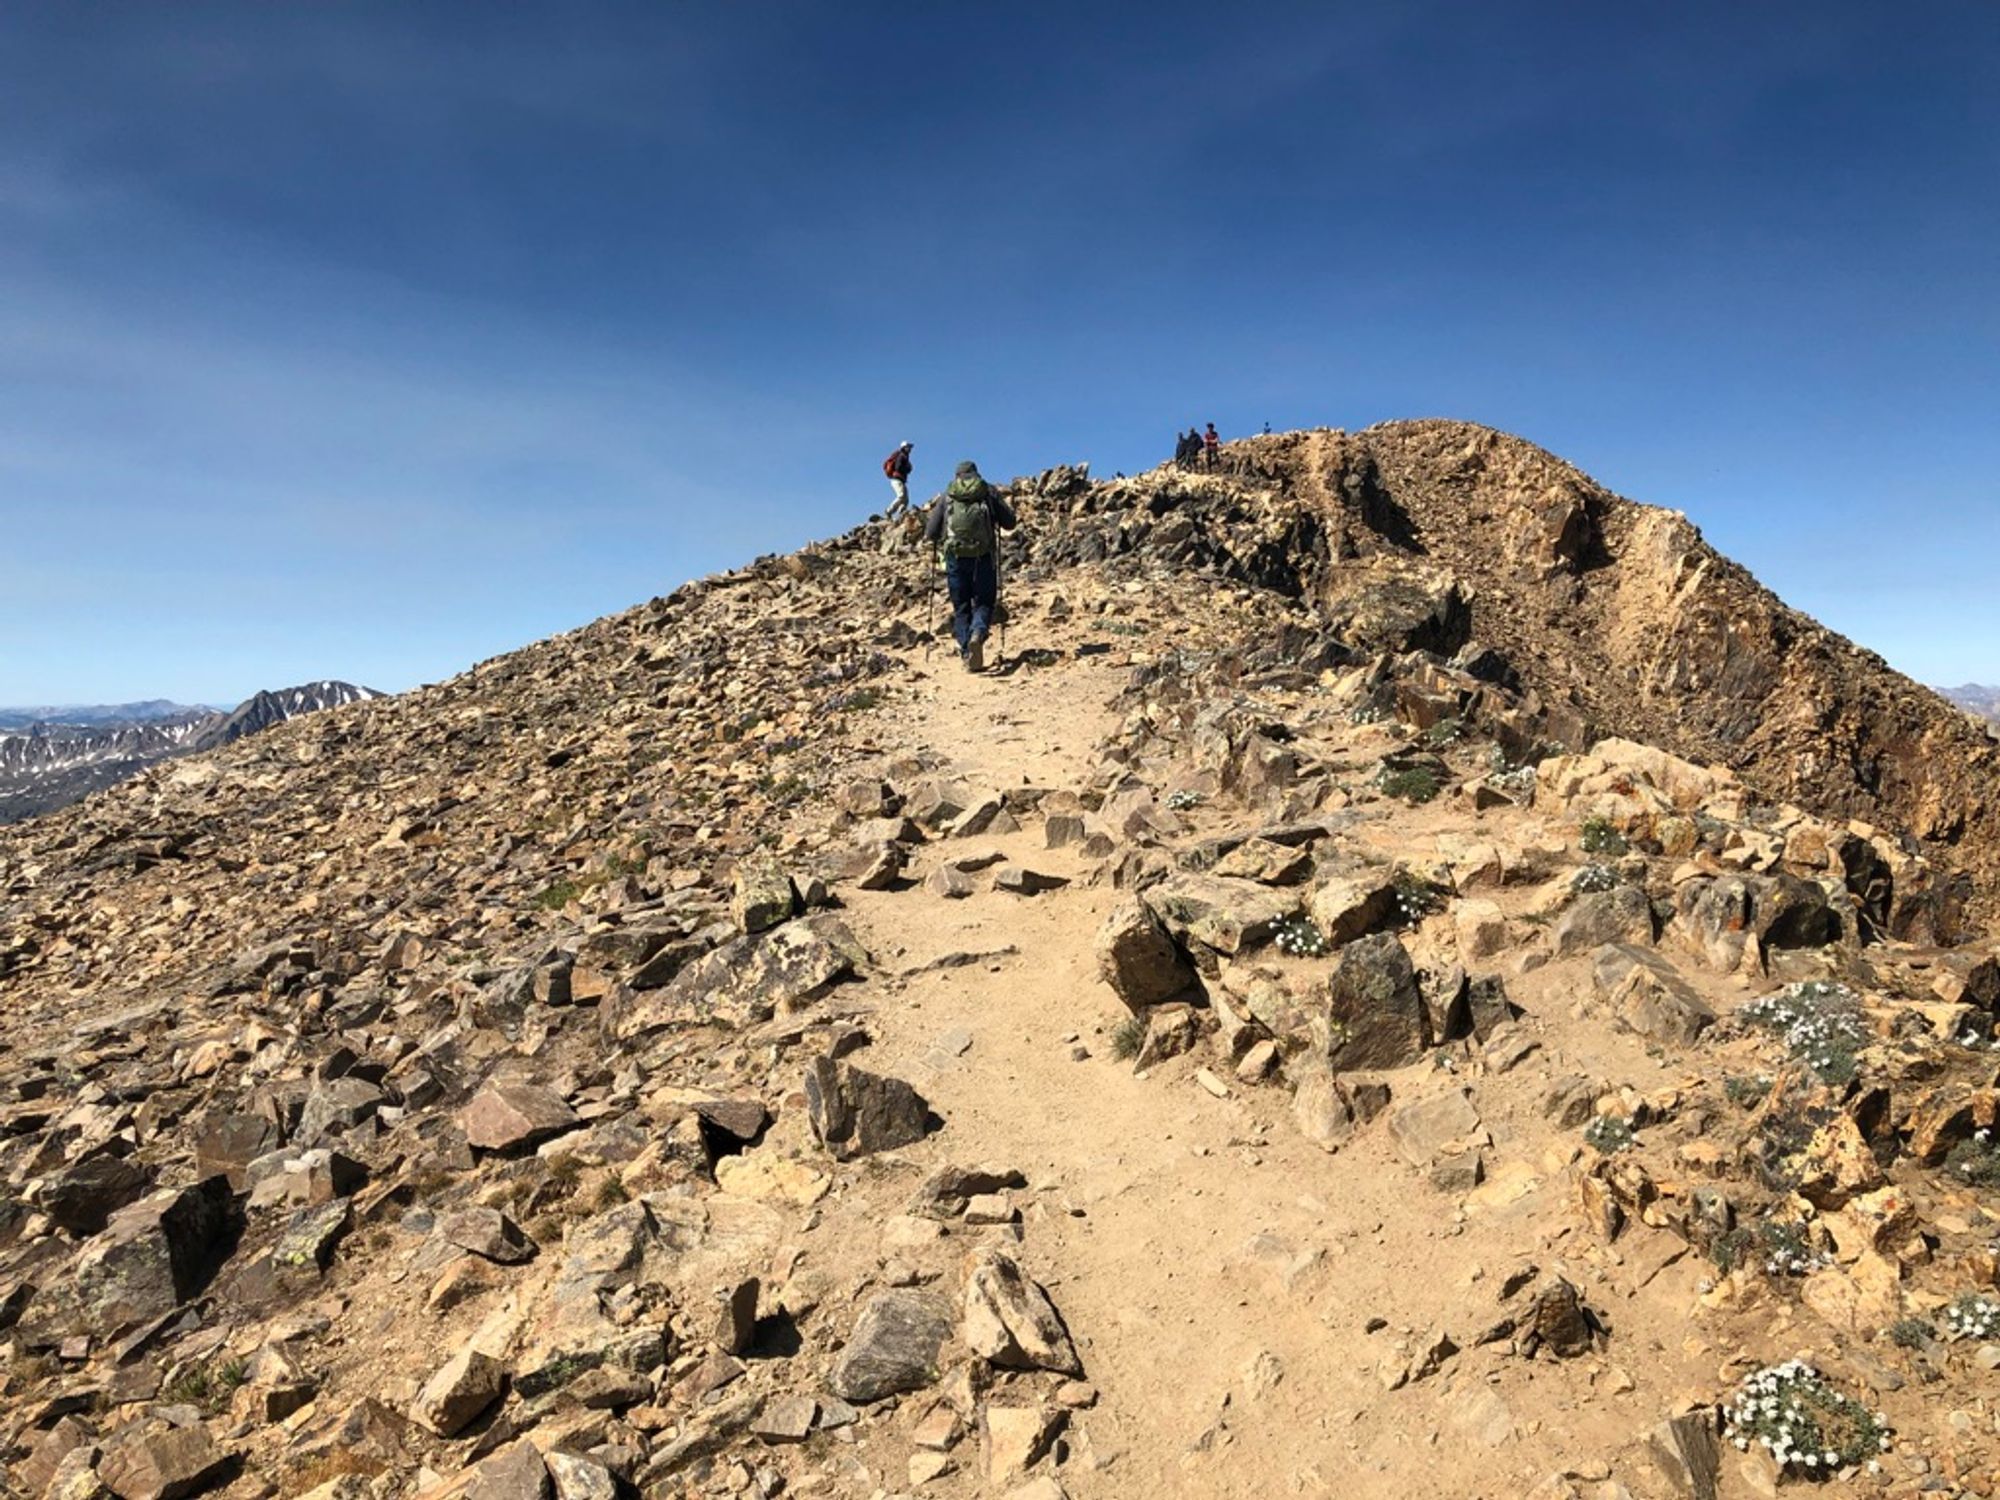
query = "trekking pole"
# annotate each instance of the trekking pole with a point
(999, 577)
(930, 607)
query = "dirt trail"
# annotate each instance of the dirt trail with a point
(1216, 1269)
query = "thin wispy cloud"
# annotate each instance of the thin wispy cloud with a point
(362, 341)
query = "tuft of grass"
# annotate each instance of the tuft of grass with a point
(207, 1386)
(326, 1467)
(556, 896)
(610, 1193)
(859, 701)
(1745, 1091)
(1912, 1333)
(1128, 1038)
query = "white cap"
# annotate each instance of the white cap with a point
(908, 444)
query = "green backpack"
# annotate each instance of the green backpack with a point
(968, 522)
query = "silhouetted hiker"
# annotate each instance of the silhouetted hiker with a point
(1267, 429)
(1193, 458)
(1181, 449)
(897, 467)
(965, 523)
(1211, 446)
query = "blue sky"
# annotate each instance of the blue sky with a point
(367, 341)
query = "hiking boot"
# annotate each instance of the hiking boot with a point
(975, 654)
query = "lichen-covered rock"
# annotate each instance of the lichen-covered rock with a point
(1218, 913)
(1375, 1016)
(150, 1257)
(894, 1347)
(857, 1113)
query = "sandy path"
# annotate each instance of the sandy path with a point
(1197, 1246)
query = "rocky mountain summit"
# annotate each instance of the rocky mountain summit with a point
(47, 763)
(1413, 976)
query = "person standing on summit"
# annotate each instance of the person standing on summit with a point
(965, 523)
(897, 467)
(1211, 447)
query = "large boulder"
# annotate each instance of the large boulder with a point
(162, 1465)
(1375, 1016)
(1137, 958)
(1649, 994)
(894, 1347)
(1350, 907)
(1219, 913)
(152, 1256)
(512, 1116)
(1620, 915)
(762, 895)
(1731, 923)
(748, 980)
(857, 1113)
(464, 1386)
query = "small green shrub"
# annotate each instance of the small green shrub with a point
(1300, 937)
(1746, 1091)
(1911, 1333)
(1788, 1249)
(1593, 878)
(1973, 1316)
(1820, 1024)
(1444, 732)
(1598, 837)
(1413, 784)
(1609, 1134)
(1416, 897)
(1976, 1161)
(1809, 1428)
(1728, 1249)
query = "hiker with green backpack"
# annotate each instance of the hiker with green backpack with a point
(965, 525)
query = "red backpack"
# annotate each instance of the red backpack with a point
(889, 464)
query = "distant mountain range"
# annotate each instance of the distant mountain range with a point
(1983, 701)
(151, 711)
(50, 757)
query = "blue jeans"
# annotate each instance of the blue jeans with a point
(974, 583)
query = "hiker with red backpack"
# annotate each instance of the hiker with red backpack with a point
(1211, 448)
(965, 523)
(897, 467)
